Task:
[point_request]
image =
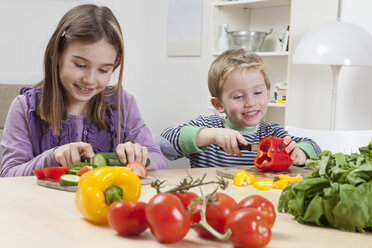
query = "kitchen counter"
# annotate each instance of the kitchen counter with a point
(35, 216)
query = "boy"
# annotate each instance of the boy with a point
(240, 89)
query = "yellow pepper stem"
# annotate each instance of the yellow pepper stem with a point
(113, 194)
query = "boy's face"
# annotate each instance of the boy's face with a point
(244, 98)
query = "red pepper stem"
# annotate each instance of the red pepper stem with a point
(203, 222)
(113, 194)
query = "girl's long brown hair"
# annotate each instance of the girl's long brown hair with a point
(86, 23)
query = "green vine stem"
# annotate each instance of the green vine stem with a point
(203, 221)
(188, 183)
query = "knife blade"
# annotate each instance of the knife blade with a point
(248, 147)
(88, 160)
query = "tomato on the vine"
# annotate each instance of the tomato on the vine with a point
(127, 218)
(167, 218)
(262, 204)
(186, 198)
(216, 214)
(249, 228)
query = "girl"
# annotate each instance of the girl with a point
(73, 113)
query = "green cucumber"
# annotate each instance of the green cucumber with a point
(69, 180)
(110, 159)
(82, 164)
(76, 167)
(73, 170)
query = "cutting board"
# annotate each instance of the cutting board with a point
(229, 172)
(56, 185)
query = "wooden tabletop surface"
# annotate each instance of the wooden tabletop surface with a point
(36, 216)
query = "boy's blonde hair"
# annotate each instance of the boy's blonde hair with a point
(232, 60)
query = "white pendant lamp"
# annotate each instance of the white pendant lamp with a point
(335, 44)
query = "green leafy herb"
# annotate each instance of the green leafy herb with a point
(338, 194)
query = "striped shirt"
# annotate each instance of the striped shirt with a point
(215, 156)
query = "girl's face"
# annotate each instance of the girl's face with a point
(85, 70)
(244, 98)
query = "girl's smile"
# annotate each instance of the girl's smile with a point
(83, 90)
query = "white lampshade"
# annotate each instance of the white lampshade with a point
(337, 43)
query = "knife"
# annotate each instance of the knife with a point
(248, 147)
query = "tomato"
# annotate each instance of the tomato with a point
(216, 214)
(262, 204)
(186, 198)
(167, 218)
(138, 168)
(249, 228)
(127, 218)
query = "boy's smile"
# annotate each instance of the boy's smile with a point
(244, 98)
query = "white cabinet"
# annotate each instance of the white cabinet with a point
(257, 15)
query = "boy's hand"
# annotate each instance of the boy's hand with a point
(297, 155)
(129, 152)
(227, 139)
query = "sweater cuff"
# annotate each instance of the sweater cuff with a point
(308, 149)
(187, 140)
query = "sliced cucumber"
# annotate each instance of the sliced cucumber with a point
(69, 180)
(114, 162)
(104, 158)
(110, 159)
(73, 170)
(76, 167)
(82, 164)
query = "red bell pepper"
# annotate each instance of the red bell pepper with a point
(271, 155)
(39, 173)
(52, 173)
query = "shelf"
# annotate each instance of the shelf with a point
(263, 54)
(273, 54)
(253, 3)
(277, 105)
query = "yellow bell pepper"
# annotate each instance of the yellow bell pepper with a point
(281, 183)
(290, 179)
(242, 178)
(98, 188)
(264, 184)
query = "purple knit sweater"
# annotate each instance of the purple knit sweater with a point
(28, 142)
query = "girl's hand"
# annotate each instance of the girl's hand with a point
(129, 152)
(297, 155)
(225, 138)
(71, 153)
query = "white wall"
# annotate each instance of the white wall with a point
(169, 91)
(309, 100)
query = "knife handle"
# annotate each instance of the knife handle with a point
(247, 147)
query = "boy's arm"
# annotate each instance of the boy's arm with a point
(179, 141)
(308, 149)
(307, 145)
(195, 139)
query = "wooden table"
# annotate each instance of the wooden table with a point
(35, 216)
